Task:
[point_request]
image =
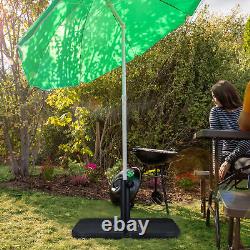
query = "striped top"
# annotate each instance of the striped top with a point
(229, 150)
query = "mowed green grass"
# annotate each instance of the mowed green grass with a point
(35, 220)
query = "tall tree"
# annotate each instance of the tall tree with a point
(20, 106)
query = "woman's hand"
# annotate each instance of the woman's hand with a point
(225, 166)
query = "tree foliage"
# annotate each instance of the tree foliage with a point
(71, 118)
(194, 58)
(247, 36)
(20, 106)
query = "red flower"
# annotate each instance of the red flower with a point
(91, 166)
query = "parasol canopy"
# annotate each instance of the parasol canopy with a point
(76, 41)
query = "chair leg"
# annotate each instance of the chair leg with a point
(230, 232)
(217, 224)
(236, 241)
(203, 196)
(248, 181)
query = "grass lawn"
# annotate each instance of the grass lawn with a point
(35, 220)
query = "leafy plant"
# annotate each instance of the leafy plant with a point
(47, 172)
(151, 172)
(186, 184)
(75, 168)
(91, 171)
(52, 137)
(111, 172)
(70, 116)
(186, 180)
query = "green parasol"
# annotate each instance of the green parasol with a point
(77, 41)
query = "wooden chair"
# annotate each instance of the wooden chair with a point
(215, 186)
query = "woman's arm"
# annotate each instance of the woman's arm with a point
(242, 148)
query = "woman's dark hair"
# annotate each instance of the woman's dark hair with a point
(226, 94)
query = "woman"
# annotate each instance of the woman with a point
(225, 115)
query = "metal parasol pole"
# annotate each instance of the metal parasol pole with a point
(125, 210)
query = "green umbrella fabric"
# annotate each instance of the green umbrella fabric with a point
(76, 41)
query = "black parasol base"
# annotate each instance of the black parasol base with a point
(125, 227)
(156, 228)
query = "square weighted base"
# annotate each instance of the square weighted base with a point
(157, 228)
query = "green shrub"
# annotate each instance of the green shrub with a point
(113, 171)
(186, 180)
(52, 137)
(74, 167)
(91, 171)
(47, 172)
(5, 173)
(186, 184)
